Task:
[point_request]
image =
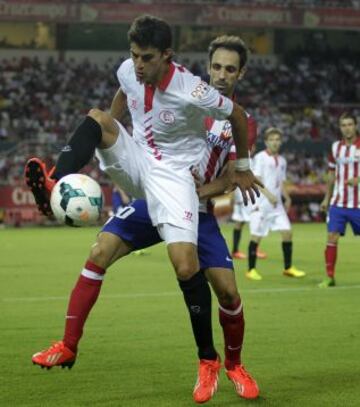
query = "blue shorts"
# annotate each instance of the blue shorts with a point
(133, 225)
(339, 217)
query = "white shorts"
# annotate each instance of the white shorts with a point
(241, 213)
(261, 222)
(170, 194)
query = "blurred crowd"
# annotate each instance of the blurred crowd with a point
(277, 3)
(41, 103)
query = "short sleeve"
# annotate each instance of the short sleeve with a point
(331, 160)
(207, 99)
(257, 166)
(123, 74)
(283, 170)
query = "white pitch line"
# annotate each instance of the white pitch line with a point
(175, 293)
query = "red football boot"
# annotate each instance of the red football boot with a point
(207, 381)
(57, 355)
(245, 385)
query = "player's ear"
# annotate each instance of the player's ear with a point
(242, 73)
(208, 68)
(168, 54)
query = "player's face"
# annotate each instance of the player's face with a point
(150, 63)
(224, 71)
(273, 143)
(348, 128)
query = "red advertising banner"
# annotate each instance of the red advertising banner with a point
(191, 14)
(38, 11)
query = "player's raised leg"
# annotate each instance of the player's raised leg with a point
(83, 297)
(98, 129)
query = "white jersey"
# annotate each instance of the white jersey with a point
(345, 161)
(272, 171)
(168, 121)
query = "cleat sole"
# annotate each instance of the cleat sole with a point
(34, 178)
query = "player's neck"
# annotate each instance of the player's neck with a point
(272, 154)
(163, 72)
(350, 141)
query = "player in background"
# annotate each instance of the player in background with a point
(343, 192)
(240, 212)
(269, 213)
(168, 106)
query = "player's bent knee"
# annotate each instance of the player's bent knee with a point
(96, 114)
(333, 237)
(228, 296)
(185, 273)
(100, 256)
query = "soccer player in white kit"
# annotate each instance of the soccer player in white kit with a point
(342, 199)
(269, 213)
(168, 105)
(240, 212)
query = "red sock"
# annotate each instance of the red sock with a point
(233, 324)
(82, 299)
(330, 258)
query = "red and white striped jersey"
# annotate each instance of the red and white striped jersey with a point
(219, 150)
(345, 161)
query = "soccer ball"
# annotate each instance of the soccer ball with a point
(76, 200)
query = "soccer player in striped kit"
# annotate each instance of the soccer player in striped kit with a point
(342, 199)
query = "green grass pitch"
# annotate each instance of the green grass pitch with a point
(302, 344)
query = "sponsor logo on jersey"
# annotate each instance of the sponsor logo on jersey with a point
(133, 104)
(216, 140)
(201, 90)
(167, 116)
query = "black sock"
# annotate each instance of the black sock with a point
(80, 149)
(252, 254)
(287, 252)
(236, 239)
(197, 297)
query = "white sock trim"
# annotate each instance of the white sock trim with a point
(92, 275)
(231, 312)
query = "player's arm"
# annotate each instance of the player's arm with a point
(353, 181)
(329, 190)
(242, 175)
(220, 185)
(118, 105)
(286, 195)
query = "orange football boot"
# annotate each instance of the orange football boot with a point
(39, 180)
(261, 255)
(57, 355)
(239, 255)
(207, 381)
(245, 385)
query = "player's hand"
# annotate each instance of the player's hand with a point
(324, 205)
(352, 181)
(248, 184)
(273, 200)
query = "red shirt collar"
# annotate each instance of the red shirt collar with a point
(164, 83)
